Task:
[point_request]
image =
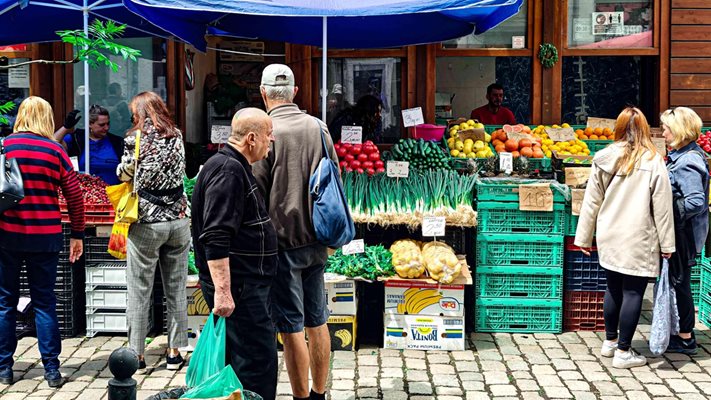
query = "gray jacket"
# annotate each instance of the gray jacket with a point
(283, 177)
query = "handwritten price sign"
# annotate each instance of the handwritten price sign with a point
(412, 117)
(536, 197)
(433, 226)
(220, 133)
(398, 169)
(354, 247)
(352, 134)
(505, 162)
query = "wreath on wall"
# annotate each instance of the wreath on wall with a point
(548, 55)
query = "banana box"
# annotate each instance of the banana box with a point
(418, 297)
(196, 302)
(341, 328)
(341, 296)
(195, 325)
(423, 332)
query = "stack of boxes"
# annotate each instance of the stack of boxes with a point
(198, 312)
(585, 285)
(703, 296)
(342, 300)
(519, 271)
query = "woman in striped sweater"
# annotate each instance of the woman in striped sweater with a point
(31, 234)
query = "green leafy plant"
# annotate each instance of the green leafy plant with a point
(4, 109)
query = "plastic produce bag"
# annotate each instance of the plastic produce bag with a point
(665, 316)
(218, 385)
(208, 358)
(118, 240)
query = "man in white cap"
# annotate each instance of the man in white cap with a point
(298, 302)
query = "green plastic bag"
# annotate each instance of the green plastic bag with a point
(208, 358)
(218, 385)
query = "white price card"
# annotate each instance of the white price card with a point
(518, 42)
(398, 169)
(412, 117)
(560, 134)
(220, 133)
(433, 226)
(505, 162)
(352, 134)
(354, 247)
(75, 163)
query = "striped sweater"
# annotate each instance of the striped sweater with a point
(34, 225)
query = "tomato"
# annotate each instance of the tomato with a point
(341, 152)
(380, 170)
(356, 149)
(347, 146)
(369, 149)
(370, 171)
(367, 164)
(379, 164)
(355, 164)
(359, 170)
(343, 164)
(374, 156)
(349, 169)
(362, 157)
(349, 157)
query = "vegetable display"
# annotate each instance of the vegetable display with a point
(373, 263)
(407, 259)
(93, 188)
(441, 262)
(420, 154)
(360, 158)
(386, 201)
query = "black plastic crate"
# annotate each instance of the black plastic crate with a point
(70, 278)
(584, 273)
(96, 250)
(70, 318)
(373, 235)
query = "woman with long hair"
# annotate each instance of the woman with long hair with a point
(689, 176)
(31, 234)
(628, 204)
(161, 236)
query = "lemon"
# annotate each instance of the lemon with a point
(454, 153)
(463, 126)
(470, 122)
(471, 142)
(481, 154)
(459, 145)
(462, 155)
(487, 137)
(450, 143)
(454, 134)
(479, 145)
(471, 155)
(467, 148)
(565, 125)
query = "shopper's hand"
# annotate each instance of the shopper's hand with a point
(585, 250)
(71, 120)
(76, 248)
(666, 255)
(224, 304)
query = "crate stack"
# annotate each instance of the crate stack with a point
(585, 285)
(704, 294)
(342, 301)
(67, 289)
(519, 268)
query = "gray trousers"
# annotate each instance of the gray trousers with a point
(164, 245)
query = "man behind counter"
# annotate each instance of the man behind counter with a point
(494, 113)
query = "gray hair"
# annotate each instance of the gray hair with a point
(283, 93)
(247, 120)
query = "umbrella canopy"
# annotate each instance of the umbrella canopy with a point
(351, 24)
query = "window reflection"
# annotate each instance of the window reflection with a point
(608, 24)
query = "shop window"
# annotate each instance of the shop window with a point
(15, 86)
(603, 86)
(114, 90)
(462, 83)
(606, 24)
(349, 79)
(501, 36)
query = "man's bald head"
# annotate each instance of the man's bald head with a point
(249, 120)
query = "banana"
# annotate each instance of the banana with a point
(345, 337)
(197, 305)
(409, 294)
(424, 298)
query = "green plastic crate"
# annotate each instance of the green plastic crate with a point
(519, 282)
(518, 316)
(705, 311)
(597, 145)
(516, 250)
(499, 191)
(571, 222)
(502, 217)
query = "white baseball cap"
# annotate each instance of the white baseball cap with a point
(277, 75)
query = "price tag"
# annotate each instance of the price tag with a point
(433, 226)
(220, 133)
(398, 169)
(519, 136)
(412, 117)
(518, 42)
(535, 197)
(354, 247)
(352, 134)
(594, 122)
(505, 162)
(576, 176)
(75, 163)
(577, 201)
(561, 134)
(661, 145)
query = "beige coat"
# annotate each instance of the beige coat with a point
(631, 214)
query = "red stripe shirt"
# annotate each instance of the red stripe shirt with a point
(35, 223)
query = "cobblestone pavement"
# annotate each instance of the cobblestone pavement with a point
(496, 366)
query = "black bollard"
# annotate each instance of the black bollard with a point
(123, 363)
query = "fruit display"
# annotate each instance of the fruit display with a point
(407, 258)
(441, 263)
(93, 188)
(595, 134)
(421, 154)
(470, 148)
(570, 148)
(571, 160)
(411, 259)
(531, 148)
(375, 262)
(469, 125)
(359, 158)
(704, 141)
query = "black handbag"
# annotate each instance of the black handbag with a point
(11, 187)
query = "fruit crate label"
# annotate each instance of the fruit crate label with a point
(412, 117)
(518, 136)
(352, 134)
(594, 122)
(577, 176)
(661, 145)
(535, 197)
(433, 226)
(220, 133)
(577, 200)
(561, 134)
(354, 247)
(506, 162)
(473, 134)
(398, 169)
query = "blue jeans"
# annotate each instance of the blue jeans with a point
(41, 275)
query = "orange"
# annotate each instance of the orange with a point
(526, 151)
(537, 152)
(515, 154)
(607, 131)
(594, 137)
(588, 131)
(511, 145)
(598, 131)
(500, 148)
(525, 143)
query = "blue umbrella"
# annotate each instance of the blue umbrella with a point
(29, 21)
(328, 23)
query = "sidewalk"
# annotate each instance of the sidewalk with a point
(497, 366)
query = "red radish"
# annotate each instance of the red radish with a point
(347, 146)
(355, 164)
(380, 170)
(374, 156)
(379, 164)
(370, 171)
(367, 164)
(359, 170)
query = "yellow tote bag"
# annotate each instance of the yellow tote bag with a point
(123, 196)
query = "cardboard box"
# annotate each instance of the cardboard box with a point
(341, 296)
(196, 302)
(423, 332)
(429, 296)
(341, 328)
(195, 325)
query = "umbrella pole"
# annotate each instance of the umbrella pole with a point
(324, 70)
(85, 12)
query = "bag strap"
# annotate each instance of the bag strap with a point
(136, 153)
(323, 139)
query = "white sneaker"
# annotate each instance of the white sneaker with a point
(628, 359)
(608, 348)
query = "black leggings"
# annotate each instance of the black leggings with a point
(685, 303)
(623, 306)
